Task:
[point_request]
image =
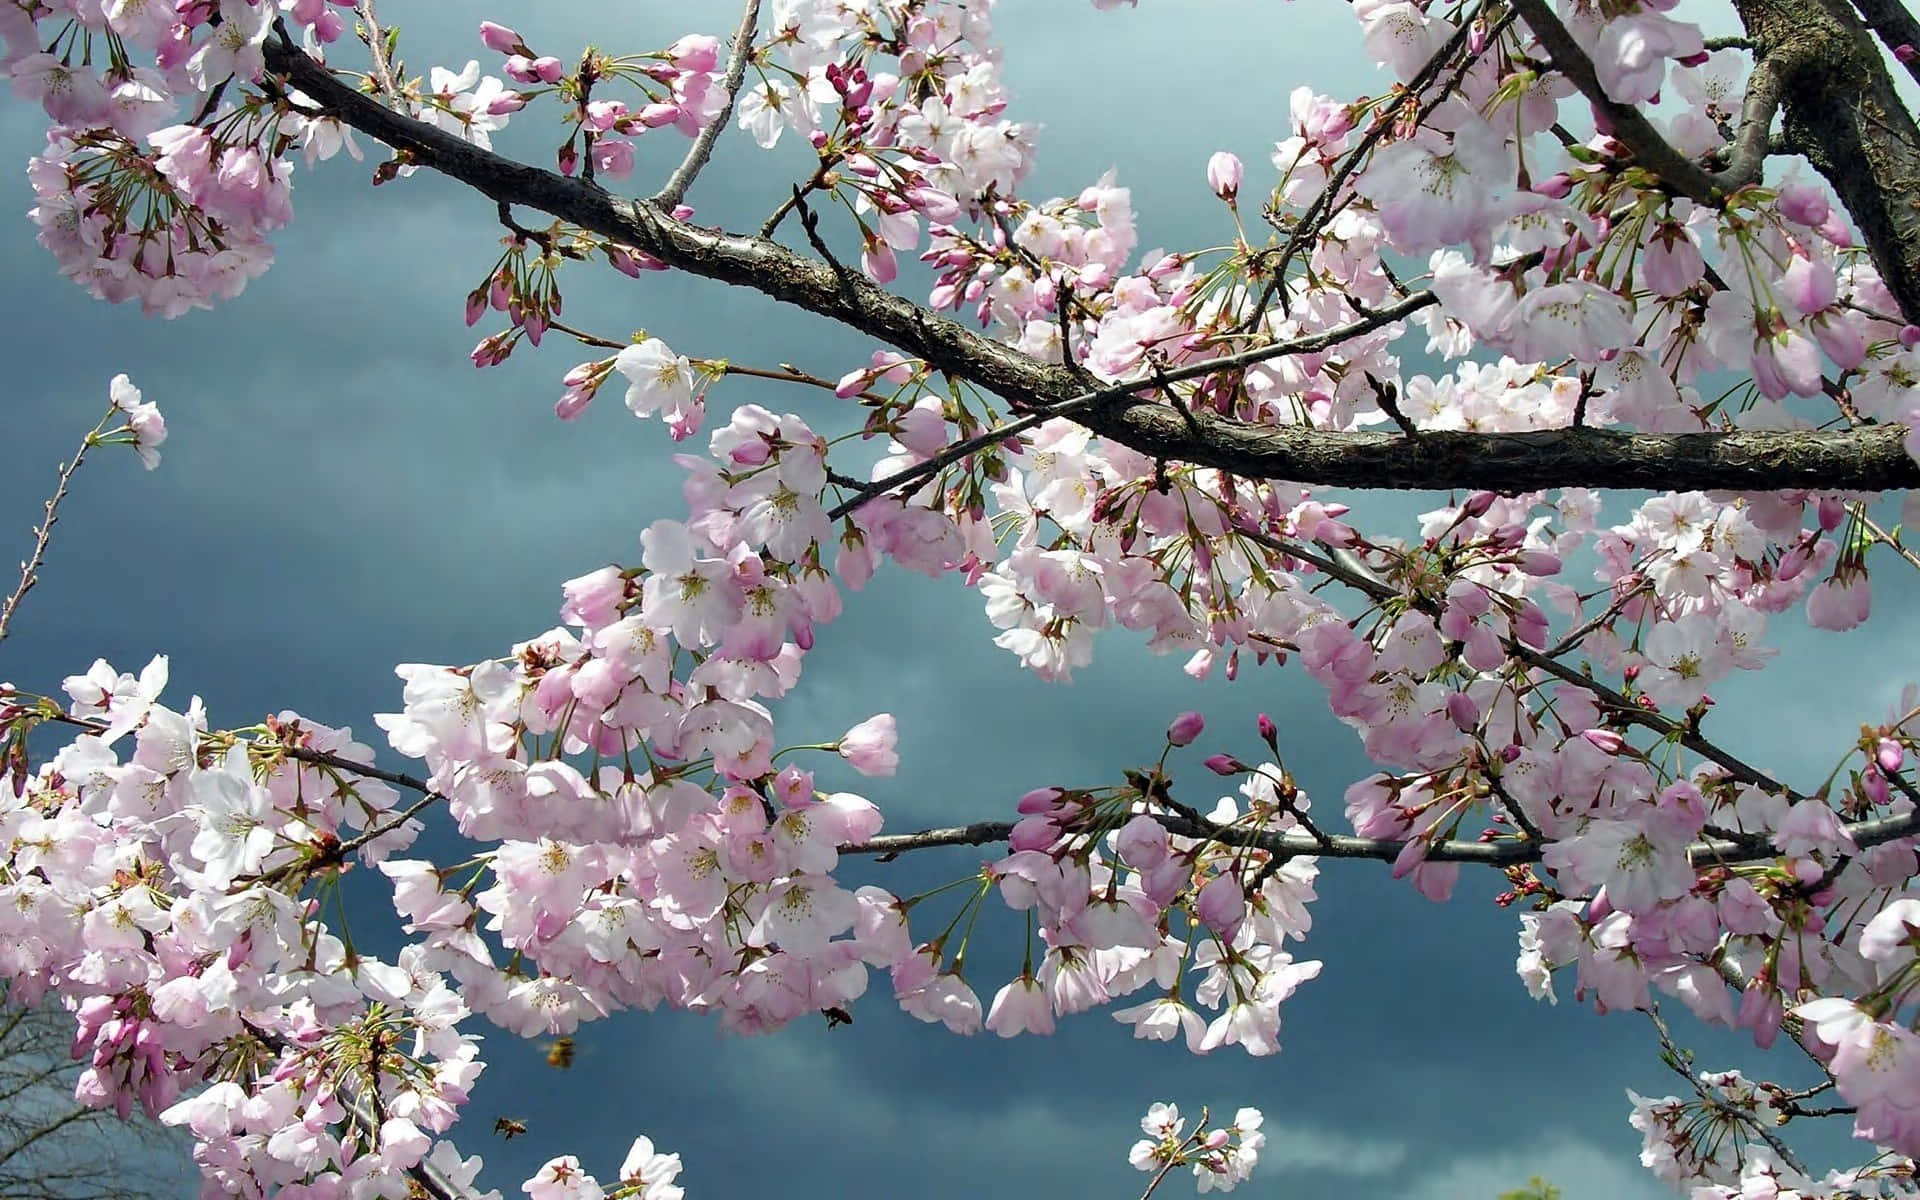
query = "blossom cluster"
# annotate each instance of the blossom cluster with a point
(1221, 1158)
(1533, 673)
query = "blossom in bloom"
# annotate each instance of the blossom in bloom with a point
(653, 1171)
(1020, 1007)
(144, 422)
(563, 1179)
(659, 381)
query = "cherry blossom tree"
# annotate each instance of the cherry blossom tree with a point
(53, 1147)
(1641, 305)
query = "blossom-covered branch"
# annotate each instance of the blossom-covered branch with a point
(1857, 460)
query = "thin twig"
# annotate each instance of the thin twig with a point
(1388, 400)
(1884, 537)
(381, 70)
(675, 189)
(1300, 345)
(1320, 210)
(1678, 1060)
(30, 569)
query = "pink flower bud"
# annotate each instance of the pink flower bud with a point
(1555, 187)
(1268, 730)
(1601, 906)
(1040, 800)
(1831, 511)
(1221, 905)
(1033, 833)
(1604, 739)
(1224, 173)
(877, 260)
(1889, 754)
(1803, 204)
(1874, 784)
(1463, 712)
(1225, 764)
(658, 116)
(1478, 504)
(1809, 285)
(696, 52)
(500, 39)
(937, 205)
(1795, 561)
(1411, 855)
(1185, 728)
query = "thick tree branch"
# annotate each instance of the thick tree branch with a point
(1766, 88)
(1895, 27)
(1868, 459)
(1843, 113)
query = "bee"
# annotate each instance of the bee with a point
(836, 1017)
(508, 1128)
(560, 1053)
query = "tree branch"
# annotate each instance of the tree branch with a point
(1300, 844)
(1868, 459)
(1844, 114)
(1895, 27)
(675, 189)
(1766, 87)
(1628, 125)
(42, 535)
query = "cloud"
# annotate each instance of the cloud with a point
(1063, 1133)
(343, 492)
(1580, 1169)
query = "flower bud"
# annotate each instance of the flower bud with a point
(1039, 800)
(1221, 905)
(1889, 754)
(1604, 739)
(1554, 187)
(1224, 173)
(1803, 204)
(1185, 728)
(501, 39)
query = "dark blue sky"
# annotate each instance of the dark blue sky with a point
(342, 491)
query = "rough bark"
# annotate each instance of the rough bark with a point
(1894, 26)
(1842, 112)
(1868, 459)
